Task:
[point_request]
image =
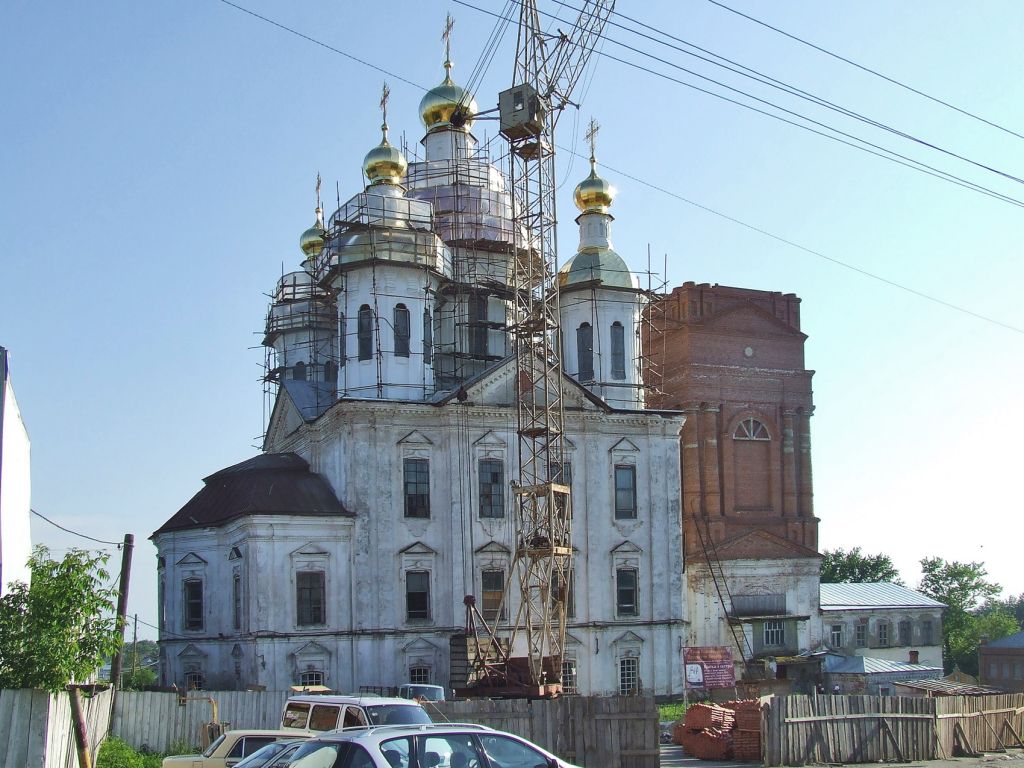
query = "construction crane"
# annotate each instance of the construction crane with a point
(547, 69)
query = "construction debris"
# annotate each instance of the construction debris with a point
(713, 732)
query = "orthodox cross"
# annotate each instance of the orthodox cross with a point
(449, 23)
(385, 93)
(592, 130)
(318, 190)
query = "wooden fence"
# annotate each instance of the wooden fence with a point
(36, 729)
(620, 731)
(798, 730)
(974, 724)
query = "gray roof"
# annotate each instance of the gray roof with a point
(865, 665)
(1010, 641)
(845, 597)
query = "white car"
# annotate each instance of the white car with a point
(231, 747)
(328, 712)
(449, 745)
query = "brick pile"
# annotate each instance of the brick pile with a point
(712, 732)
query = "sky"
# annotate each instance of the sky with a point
(158, 163)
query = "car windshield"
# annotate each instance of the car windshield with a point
(263, 754)
(216, 743)
(431, 692)
(397, 714)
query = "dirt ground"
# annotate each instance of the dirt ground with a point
(672, 756)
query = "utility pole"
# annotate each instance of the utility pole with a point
(122, 610)
(135, 648)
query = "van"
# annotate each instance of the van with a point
(421, 691)
(330, 712)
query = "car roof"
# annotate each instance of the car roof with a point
(289, 734)
(364, 700)
(381, 732)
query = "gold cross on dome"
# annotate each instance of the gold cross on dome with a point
(385, 94)
(449, 23)
(318, 189)
(591, 135)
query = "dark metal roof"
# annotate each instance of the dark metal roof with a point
(268, 484)
(1010, 641)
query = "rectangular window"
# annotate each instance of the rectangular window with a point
(837, 635)
(561, 473)
(569, 684)
(193, 604)
(625, 491)
(478, 325)
(161, 600)
(419, 675)
(904, 630)
(566, 592)
(618, 351)
(493, 588)
(236, 602)
(428, 337)
(861, 635)
(883, 634)
(310, 678)
(774, 634)
(417, 595)
(629, 676)
(492, 488)
(403, 331)
(626, 592)
(416, 473)
(926, 633)
(310, 598)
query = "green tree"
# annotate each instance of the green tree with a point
(1011, 605)
(59, 629)
(136, 679)
(962, 587)
(840, 566)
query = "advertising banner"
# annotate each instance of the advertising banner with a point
(709, 667)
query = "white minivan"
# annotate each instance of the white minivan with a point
(329, 712)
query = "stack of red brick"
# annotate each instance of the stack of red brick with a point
(712, 732)
(746, 735)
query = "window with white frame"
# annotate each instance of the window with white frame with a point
(774, 634)
(569, 682)
(419, 675)
(883, 634)
(417, 595)
(837, 635)
(751, 429)
(492, 488)
(416, 479)
(311, 677)
(861, 635)
(194, 678)
(629, 676)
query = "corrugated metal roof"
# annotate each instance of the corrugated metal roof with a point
(268, 484)
(870, 666)
(949, 688)
(1010, 641)
(844, 597)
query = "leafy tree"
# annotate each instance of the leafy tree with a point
(138, 678)
(59, 629)
(840, 566)
(1011, 605)
(963, 588)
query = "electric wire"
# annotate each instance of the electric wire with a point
(117, 544)
(792, 90)
(870, 147)
(868, 70)
(725, 216)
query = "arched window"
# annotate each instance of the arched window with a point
(402, 331)
(364, 332)
(618, 351)
(751, 429)
(428, 336)
(299, 372)
(331, 372)
(478, 325)
(585, 352)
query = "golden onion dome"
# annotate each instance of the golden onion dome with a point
(448, 105)
(384, 164)
(594, 194)
(312, 240)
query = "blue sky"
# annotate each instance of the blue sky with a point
(159, 160)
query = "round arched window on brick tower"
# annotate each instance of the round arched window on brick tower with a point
(752, 466)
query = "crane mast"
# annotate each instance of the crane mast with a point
(543, 82)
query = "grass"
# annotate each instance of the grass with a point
(115, 753)
(671, 711)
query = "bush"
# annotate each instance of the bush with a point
(115, 753)
(671, 711)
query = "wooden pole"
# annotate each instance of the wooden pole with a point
(122, 612)
(78, 722)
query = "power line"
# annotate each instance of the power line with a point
(870, 147)
(813, 252)
(866, 69)
(76, 533)
(727, 217)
